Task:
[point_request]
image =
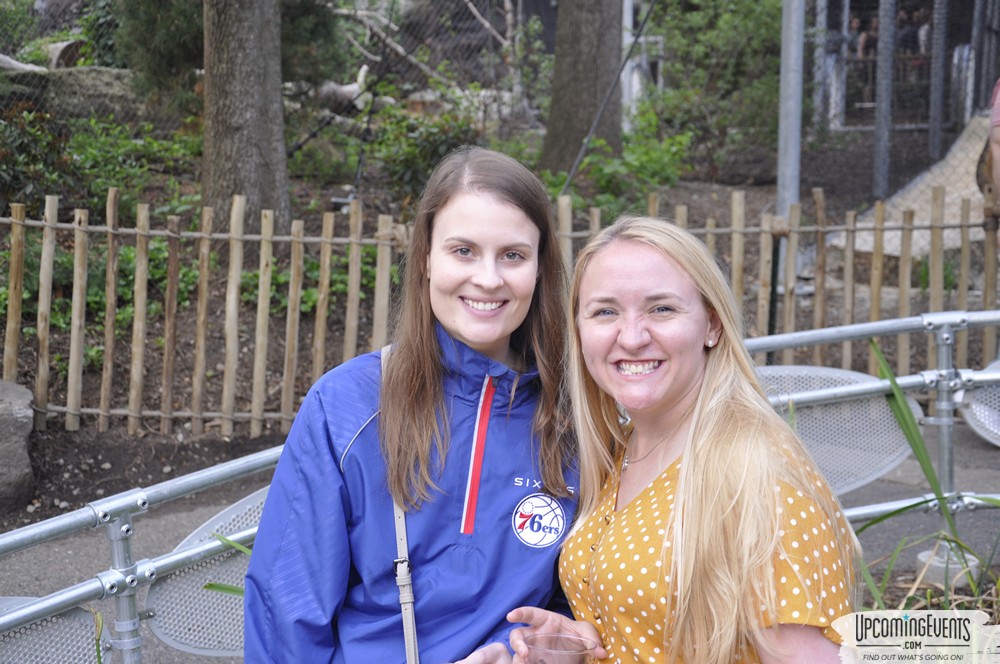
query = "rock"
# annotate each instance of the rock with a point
(16, 479)
(86, 92)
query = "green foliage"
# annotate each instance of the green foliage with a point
(250, 280)
(408, 147)
(33, 160)
(720, 72)
(535, 66)
(106, 155)
(60, 317)
(35, 51)
(17, 25)
(98, 26)
(164, 42)
(311, 47)
(180, 204)
(619, 184)
(923, 273)
(329, 157)
(949, 538)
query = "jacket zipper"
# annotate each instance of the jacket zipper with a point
(478, 452)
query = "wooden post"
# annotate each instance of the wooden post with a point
(710, 225)
(875, 278)
(738, 243)
(383, 267)
(766, 262)
(260, 345)
(201, 322)
(237, 217)
(936, 260)
(595, 221)
(170, 323)
(965, 257)
(681, 216)
(139, 306)
(794, 221)
(990, 286)
(292, 328)
(45, 311)
(905, 275)
(564, 219)
(845, 353)
(323, 299)
(653, 204)
(78, 321)
(110, 309)
(353, 311)
(819, 276)
(15, 290)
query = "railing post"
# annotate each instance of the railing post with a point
(127, 638)
(944, 416)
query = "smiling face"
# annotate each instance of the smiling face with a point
(643, 328)
(482, 268)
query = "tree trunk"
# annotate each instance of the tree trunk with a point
(588, 54)
(244, 151)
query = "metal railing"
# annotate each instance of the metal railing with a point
(125, 576)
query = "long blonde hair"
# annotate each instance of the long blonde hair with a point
(725, 526)
(411, 425)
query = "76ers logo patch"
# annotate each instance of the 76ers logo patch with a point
(539, 520)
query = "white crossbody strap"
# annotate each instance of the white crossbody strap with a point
(401, 565)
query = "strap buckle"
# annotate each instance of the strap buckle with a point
(401, 561)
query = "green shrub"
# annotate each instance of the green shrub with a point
(408, 147)
(163, 41)
(719, 71)
(33, 159)
(18, 25)
(108, 154)
(98, 26)
(250, 280)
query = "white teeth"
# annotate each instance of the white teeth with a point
(483, 306)
(637, 368)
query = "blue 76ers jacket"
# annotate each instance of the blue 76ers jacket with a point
(321, 585)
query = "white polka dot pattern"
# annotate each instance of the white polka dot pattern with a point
(614, 576)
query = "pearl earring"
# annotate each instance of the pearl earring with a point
(710, 343)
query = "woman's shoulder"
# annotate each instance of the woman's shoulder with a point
(349, 387)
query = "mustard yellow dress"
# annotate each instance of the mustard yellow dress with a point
(615, 578)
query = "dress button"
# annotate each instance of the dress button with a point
(607, 518)
(593, 548)
(586, 581)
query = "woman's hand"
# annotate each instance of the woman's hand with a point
(540, 621)
(495, 653)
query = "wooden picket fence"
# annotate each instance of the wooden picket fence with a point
(751, 273)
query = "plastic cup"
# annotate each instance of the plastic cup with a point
(559, 649)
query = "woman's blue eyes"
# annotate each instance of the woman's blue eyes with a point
(664, 309)
(510, 255)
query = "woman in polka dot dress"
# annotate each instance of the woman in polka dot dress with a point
(706, 533)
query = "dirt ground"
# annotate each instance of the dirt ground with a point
(73, 468)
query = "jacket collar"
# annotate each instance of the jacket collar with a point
(465, 370)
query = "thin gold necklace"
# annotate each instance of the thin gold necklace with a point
(626, 461)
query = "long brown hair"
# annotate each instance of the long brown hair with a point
(412, 396)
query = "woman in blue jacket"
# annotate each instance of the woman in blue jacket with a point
(466, 430)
